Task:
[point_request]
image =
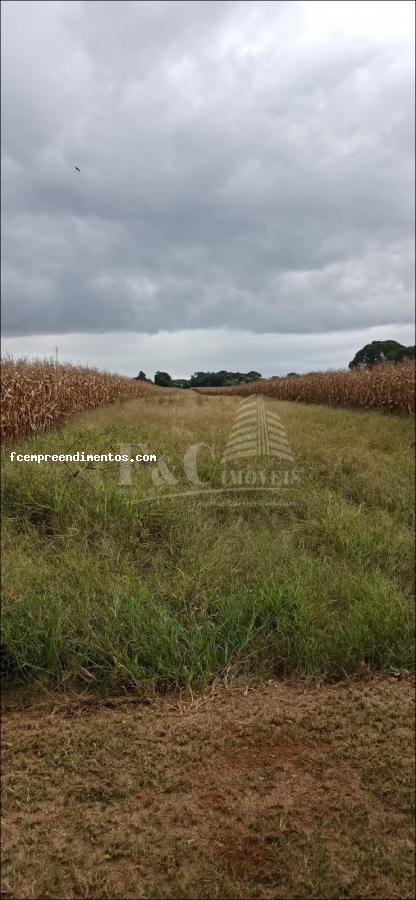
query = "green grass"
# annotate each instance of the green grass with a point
(102, 585)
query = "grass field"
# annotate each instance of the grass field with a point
(103, 585)
(151, 747)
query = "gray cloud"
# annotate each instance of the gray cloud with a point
(236, 172)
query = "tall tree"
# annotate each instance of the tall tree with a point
(381, 351)
(163, 379)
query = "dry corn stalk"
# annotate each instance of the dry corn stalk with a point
(36, 395)
(385, 386)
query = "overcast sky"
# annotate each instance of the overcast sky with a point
(245, 199)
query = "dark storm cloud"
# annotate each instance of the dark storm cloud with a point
(235, 171)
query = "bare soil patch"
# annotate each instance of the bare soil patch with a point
(272, 791)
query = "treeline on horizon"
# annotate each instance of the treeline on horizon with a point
(203, 379)
(369, 356)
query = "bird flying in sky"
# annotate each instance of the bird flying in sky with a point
(78, 170)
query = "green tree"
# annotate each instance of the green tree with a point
(141, 377)
(222, 378)
(163, 379)
(381, 351)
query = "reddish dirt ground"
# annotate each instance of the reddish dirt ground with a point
(278, 790)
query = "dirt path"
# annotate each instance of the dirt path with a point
(272, 791)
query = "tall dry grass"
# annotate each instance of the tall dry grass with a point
(37, 395)
(386, 386)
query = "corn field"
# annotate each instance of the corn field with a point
(37, 395)
(385, 386)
